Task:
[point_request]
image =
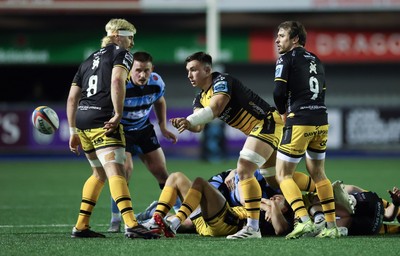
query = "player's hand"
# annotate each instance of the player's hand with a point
(74, 143)
(395, 195)
(111, 125)
(230, 180)
(266, 206)
(169, 135)
(180, 123)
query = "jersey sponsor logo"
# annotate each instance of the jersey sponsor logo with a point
(221, 86)
(316, 133)
(225, 115)
(256, 108)
(129, 57)
(126, 64)
(278, 70)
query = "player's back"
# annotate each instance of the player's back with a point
(244, 109)
(94, 78)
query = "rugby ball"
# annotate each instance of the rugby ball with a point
(45, 120)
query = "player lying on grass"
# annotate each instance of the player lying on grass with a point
(361, 212)
(221, 212)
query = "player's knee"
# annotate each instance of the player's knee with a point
(116, 155)
(251, 156)
(198, 183)
(173, 177)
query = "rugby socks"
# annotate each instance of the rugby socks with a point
(178, 201)
(191, 202)
(121, 195)
(325, 195)
(167, 198)
(304, 182)
(252, 200)
(90, 194)
(294, 197)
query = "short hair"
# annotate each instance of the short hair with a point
(143, 57)
(202, 57)
(295, 28)
(113, 26)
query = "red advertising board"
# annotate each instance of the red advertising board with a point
(335, 46)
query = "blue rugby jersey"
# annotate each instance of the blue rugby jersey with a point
(139, 102)
(233, 197)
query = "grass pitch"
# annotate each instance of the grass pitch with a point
(39, 203)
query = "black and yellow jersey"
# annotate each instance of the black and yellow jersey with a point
(300, 88)
(244, 109)
(94, 78)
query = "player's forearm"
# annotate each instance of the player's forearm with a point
(72, 105)
(118, 90)
(160, 109)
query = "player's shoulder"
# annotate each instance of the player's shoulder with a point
(218, 77)
(156, 79)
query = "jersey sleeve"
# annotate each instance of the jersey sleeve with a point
(156, 79)
(77, 81)
(124, 59)
(281, 78)
(222, 85)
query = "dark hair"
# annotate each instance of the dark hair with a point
(201, 57)
(142, 57)
(295, 28)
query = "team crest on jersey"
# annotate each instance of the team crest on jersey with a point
(155, 78)
(221, 86)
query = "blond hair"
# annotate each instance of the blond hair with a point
(112, 28)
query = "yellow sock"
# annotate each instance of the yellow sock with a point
(90, 194)
(389, 229)
(122, 197)
(304, 182)
(166, 201)
(252, 197)
(325, 195)
(191, 202)
(294, 197)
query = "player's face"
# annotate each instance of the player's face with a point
(126, 42)
(283, 42)
(140, 72)
(198, 74)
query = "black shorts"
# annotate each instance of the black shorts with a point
(368, 216)
(141, 141)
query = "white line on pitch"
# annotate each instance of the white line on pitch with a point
(45, 226)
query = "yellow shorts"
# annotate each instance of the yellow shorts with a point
(269, 130)
(297, 139)
(93, 139)
(227, 222)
